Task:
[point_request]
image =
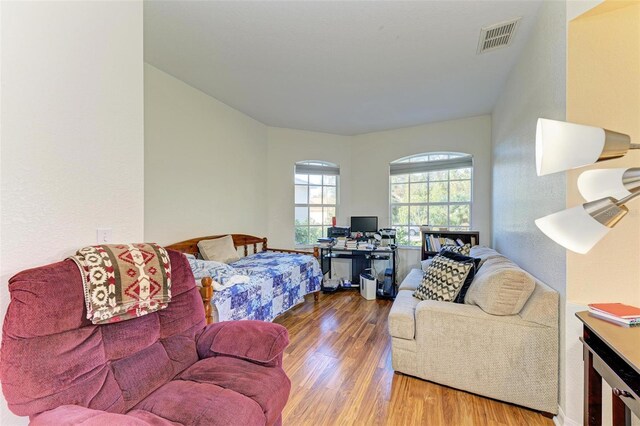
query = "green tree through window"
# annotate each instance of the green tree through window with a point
(432, 189)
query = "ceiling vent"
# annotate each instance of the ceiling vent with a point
(497, 35)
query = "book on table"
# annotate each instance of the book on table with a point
(617, 312)
(617, 309)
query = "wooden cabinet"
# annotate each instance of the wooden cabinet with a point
(428, 238)
(611, 353)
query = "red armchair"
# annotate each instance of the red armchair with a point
(165, 368)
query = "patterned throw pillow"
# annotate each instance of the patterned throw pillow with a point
(465, 249)
(472, 272)
(443, 279)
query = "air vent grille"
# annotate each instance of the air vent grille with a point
(497, 36)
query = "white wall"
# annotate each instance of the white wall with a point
(286, 147)
(371, 154)
(205, 164)
(72, 132)
(535, 88)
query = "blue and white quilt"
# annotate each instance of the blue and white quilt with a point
(277, 282)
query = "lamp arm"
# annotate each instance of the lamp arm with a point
(628, 198)
(634, 146)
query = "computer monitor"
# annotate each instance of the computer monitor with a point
(364, 224)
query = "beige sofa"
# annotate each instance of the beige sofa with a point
(510, 354)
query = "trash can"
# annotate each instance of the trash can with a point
(368, 286)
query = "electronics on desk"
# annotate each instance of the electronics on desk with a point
(364, 224)
(338, 231)
(387, 233)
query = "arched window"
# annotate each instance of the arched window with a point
(433, 188)
(316, 199)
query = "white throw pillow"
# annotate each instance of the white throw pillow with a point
(219, 249)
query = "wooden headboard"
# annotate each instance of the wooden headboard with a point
(239, 240)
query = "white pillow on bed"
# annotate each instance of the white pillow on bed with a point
(219, 249)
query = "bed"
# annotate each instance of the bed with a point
(278, 279)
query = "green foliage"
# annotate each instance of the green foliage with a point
(302, 235)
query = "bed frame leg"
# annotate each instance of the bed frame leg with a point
(315, 296)
(206, 292)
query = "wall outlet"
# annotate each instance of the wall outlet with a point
(104, 235)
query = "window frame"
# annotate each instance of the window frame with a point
(308, 205)
(412, 159)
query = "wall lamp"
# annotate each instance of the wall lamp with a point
(562, 146)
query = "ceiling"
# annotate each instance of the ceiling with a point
(338, 67)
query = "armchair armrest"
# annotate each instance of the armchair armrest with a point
(68, 415)
(257, 341)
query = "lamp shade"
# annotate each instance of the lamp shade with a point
(581, 227)
(573, 229)
(563, 146)
(616, 183)
(596, 184)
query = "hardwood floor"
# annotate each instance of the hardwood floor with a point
(339, 362)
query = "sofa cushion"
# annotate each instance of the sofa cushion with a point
(70, 415)
(191, 403)
(426, 263)
(443, 279)
(470, 276)
(464, 249)
(484, 253)
(219, 249)
(500, 287)
(269, 387)
(402, 322)
(412, 280)
(262, 342)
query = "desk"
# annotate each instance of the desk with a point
(360, 260)
(610, 352)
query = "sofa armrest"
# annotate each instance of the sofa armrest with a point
(256, 341)
(68, 415)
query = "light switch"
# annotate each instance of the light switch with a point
(104, 235)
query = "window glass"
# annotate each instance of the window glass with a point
(438, 198)
(316, 201)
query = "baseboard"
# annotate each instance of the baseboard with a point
(562, 420)
(558, 419)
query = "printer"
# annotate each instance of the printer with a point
(339, 231)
